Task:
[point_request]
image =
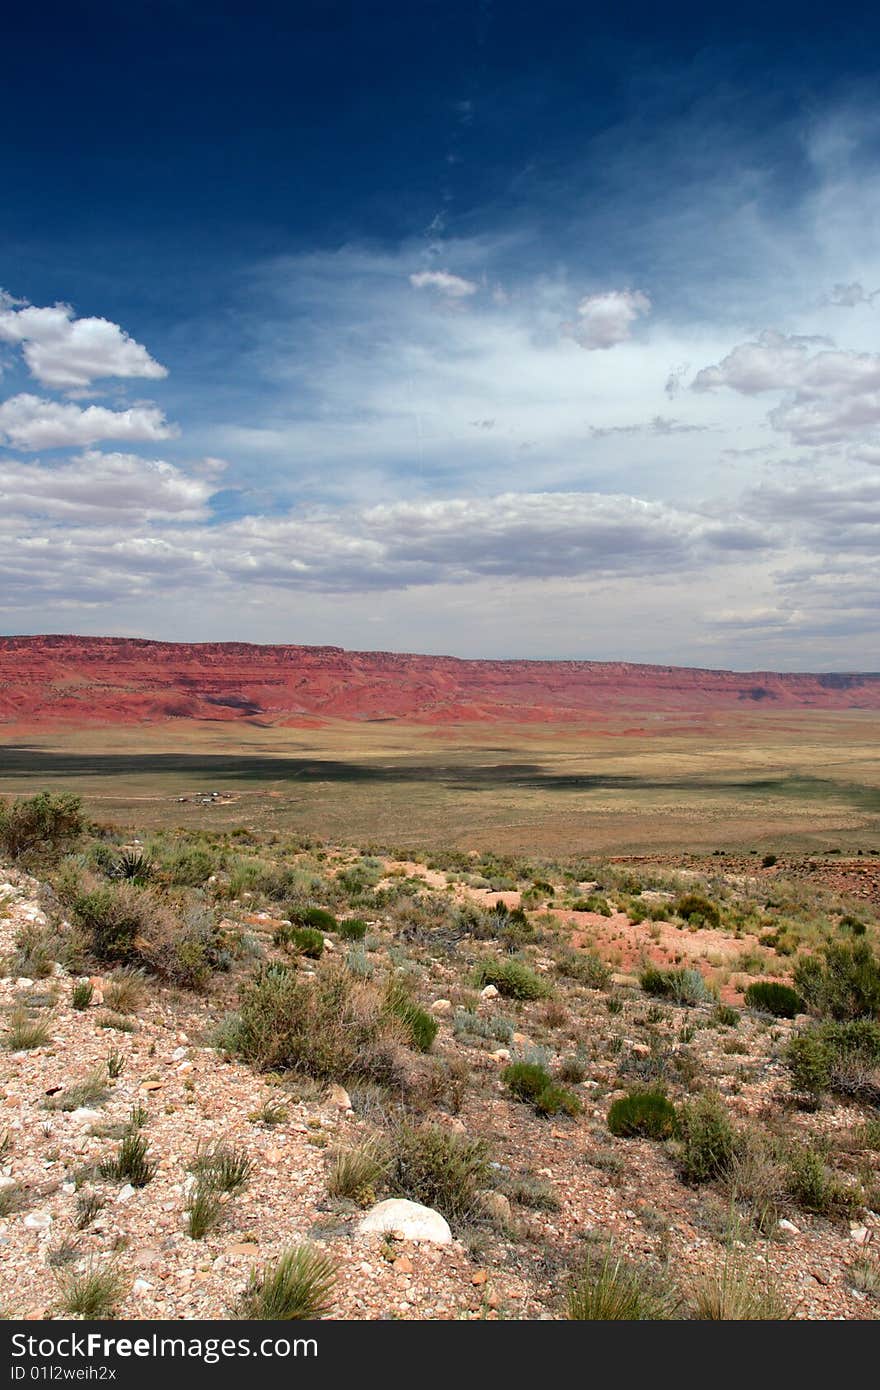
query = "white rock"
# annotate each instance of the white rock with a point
(178, 1054)
(141, 1286)
(6, 1181)
(501, 1054)
(785, 1225)
(860, 1234)
(489, 992)
(126, 1193)
(83, 1115)
(441, 1007)
(23, 982)
(407, 1220)
(38, 1220)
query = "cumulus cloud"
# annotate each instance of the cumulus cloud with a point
(33, 422)
(453, 286)
(99, 487)
(66, 352)
(832, 395)
(604, 320)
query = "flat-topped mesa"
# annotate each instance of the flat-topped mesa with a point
(65, 679)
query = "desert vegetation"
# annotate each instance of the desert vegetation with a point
(625, 1086)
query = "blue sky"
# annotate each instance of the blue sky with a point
(491, 329)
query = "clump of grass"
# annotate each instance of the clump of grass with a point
(512, 978)
(88, 1204)
(222, 1166)
(771, 997)
(92, 1293)
(814, 1186)
(438, 1168)
(352, 928)
(299, 1285)
(204, 1209)
(270, 1113)
(421, 1027)
(130, 1164)
(124, 990)
(726, 1016)
(737, 1292)
(613, 1290)
(531, 1082)
(25, 1033)
(115, 1064)
(92, 1091)
(82, 994)
(358, 1173)
(119, 1022)
(643, 1114)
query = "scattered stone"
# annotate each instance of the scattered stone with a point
(440, 1007)
(786, 1225)
(38, 1220)
(489, 992)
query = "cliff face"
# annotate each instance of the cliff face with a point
(87, 680)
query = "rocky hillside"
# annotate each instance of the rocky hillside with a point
(86, 680)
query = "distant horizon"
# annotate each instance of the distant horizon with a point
(441, 655)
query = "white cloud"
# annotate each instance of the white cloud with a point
(604, 320)
(98, 487)
(66, 352)
(33, 422)
(454, 286)
(833, 395)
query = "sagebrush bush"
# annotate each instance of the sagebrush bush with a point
(708, 1141)
(773, 998)
(329, 1026)
(836, 1056)
(643, 1114)
(40, 826)
(512, 978)
(684, 986)
(845, 984)
(438, 1168)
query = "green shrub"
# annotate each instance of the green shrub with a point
(726, 1016)
(773, 998)
(845, 985)
(532, 1083)
(832, 1056)
(299, 1285)
(439, 1168)
(684, 986)
(222, 1166)
(312, 917)
(81, 997)
(308, 941)
(813, 1185)
(133, 865)
(708, 1141)
(40, 826)
(204, 1209)
(420, 1026)
(642, 1114)
(585, 967)
(351, 928)
(697, 909)
(25, 1033)
(358, 1173)
(512, 978)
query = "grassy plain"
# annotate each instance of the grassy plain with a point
(793, 781)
